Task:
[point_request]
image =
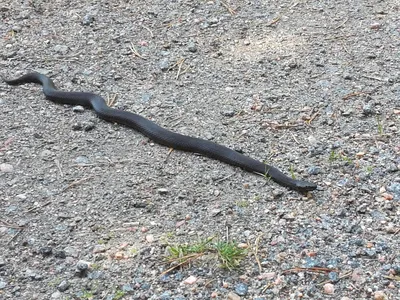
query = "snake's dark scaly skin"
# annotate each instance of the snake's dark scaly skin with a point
(161, 135)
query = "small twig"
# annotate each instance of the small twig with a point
(15, 235)
(9, 225)
(230, 9)
(135, 52)
(341, 24)
(225, 178)
(256, 253)
(340, 277)
(148, 29)
(373, 78)
(274, 21)
(294, 138)
(37, 207)
(75, 183)
(180, 64)
(111, 100)
(187, 259)
(312, 270)
(353, 94)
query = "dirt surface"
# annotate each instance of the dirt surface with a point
(89, 208)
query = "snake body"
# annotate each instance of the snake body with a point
(159, 134)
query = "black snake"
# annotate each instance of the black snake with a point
(161, 135)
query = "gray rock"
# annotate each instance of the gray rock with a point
(87, 20)
(63, 286)
(164, 64)
(241, 289)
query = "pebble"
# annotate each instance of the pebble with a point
(78, 109)
(233, 296)
(46, 154)
(6, 168)
(329, 288)
(61, 49)
(164, 64)
(314, 170)
(192, 47)
(82, 160)
(241, 289)
(46, 251)
(87, 20)
(82, 266)
(63, 286)
(395, 189)
(368, 110)
(162, 191)
(190, 280)
(379, 295)
(3, 284)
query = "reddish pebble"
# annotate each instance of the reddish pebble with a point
(329, 288)
(375, 25)
(379, 295)
(190, 280)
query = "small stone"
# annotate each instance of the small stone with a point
(82, 266)
(63, 286)
(6, 168)
(246, 42)
(149, 238)
(368, 110)
(87, 20)
(241, 289)
(162, 191)
(78, 109)
(46, 154)
(190, 280)
(375, 25)
(16, 28)
(61, 49)
(60, 254)
(329, 288)
(192, 47)
(233, 296)
(314, 170)
(164, 64)
(46, 251)
(3, 284)
(127, 288)
(379, 295)
(82, 160)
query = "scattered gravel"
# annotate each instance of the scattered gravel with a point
(88, 208)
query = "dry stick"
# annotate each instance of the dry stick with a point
(15, 235)
(312, 270)
(148, 29)
(180, 72)
(77, 182)
(37, 207)
(111, 100)
(256, 253)
(225, 178)
(372, 77)
(135, 52)
(353, 94)
(230, 9)
(9, 225)
(187, 258)
(294, 138)
(340, 277)
(344, 22)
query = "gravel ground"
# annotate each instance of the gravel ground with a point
(89, 208)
